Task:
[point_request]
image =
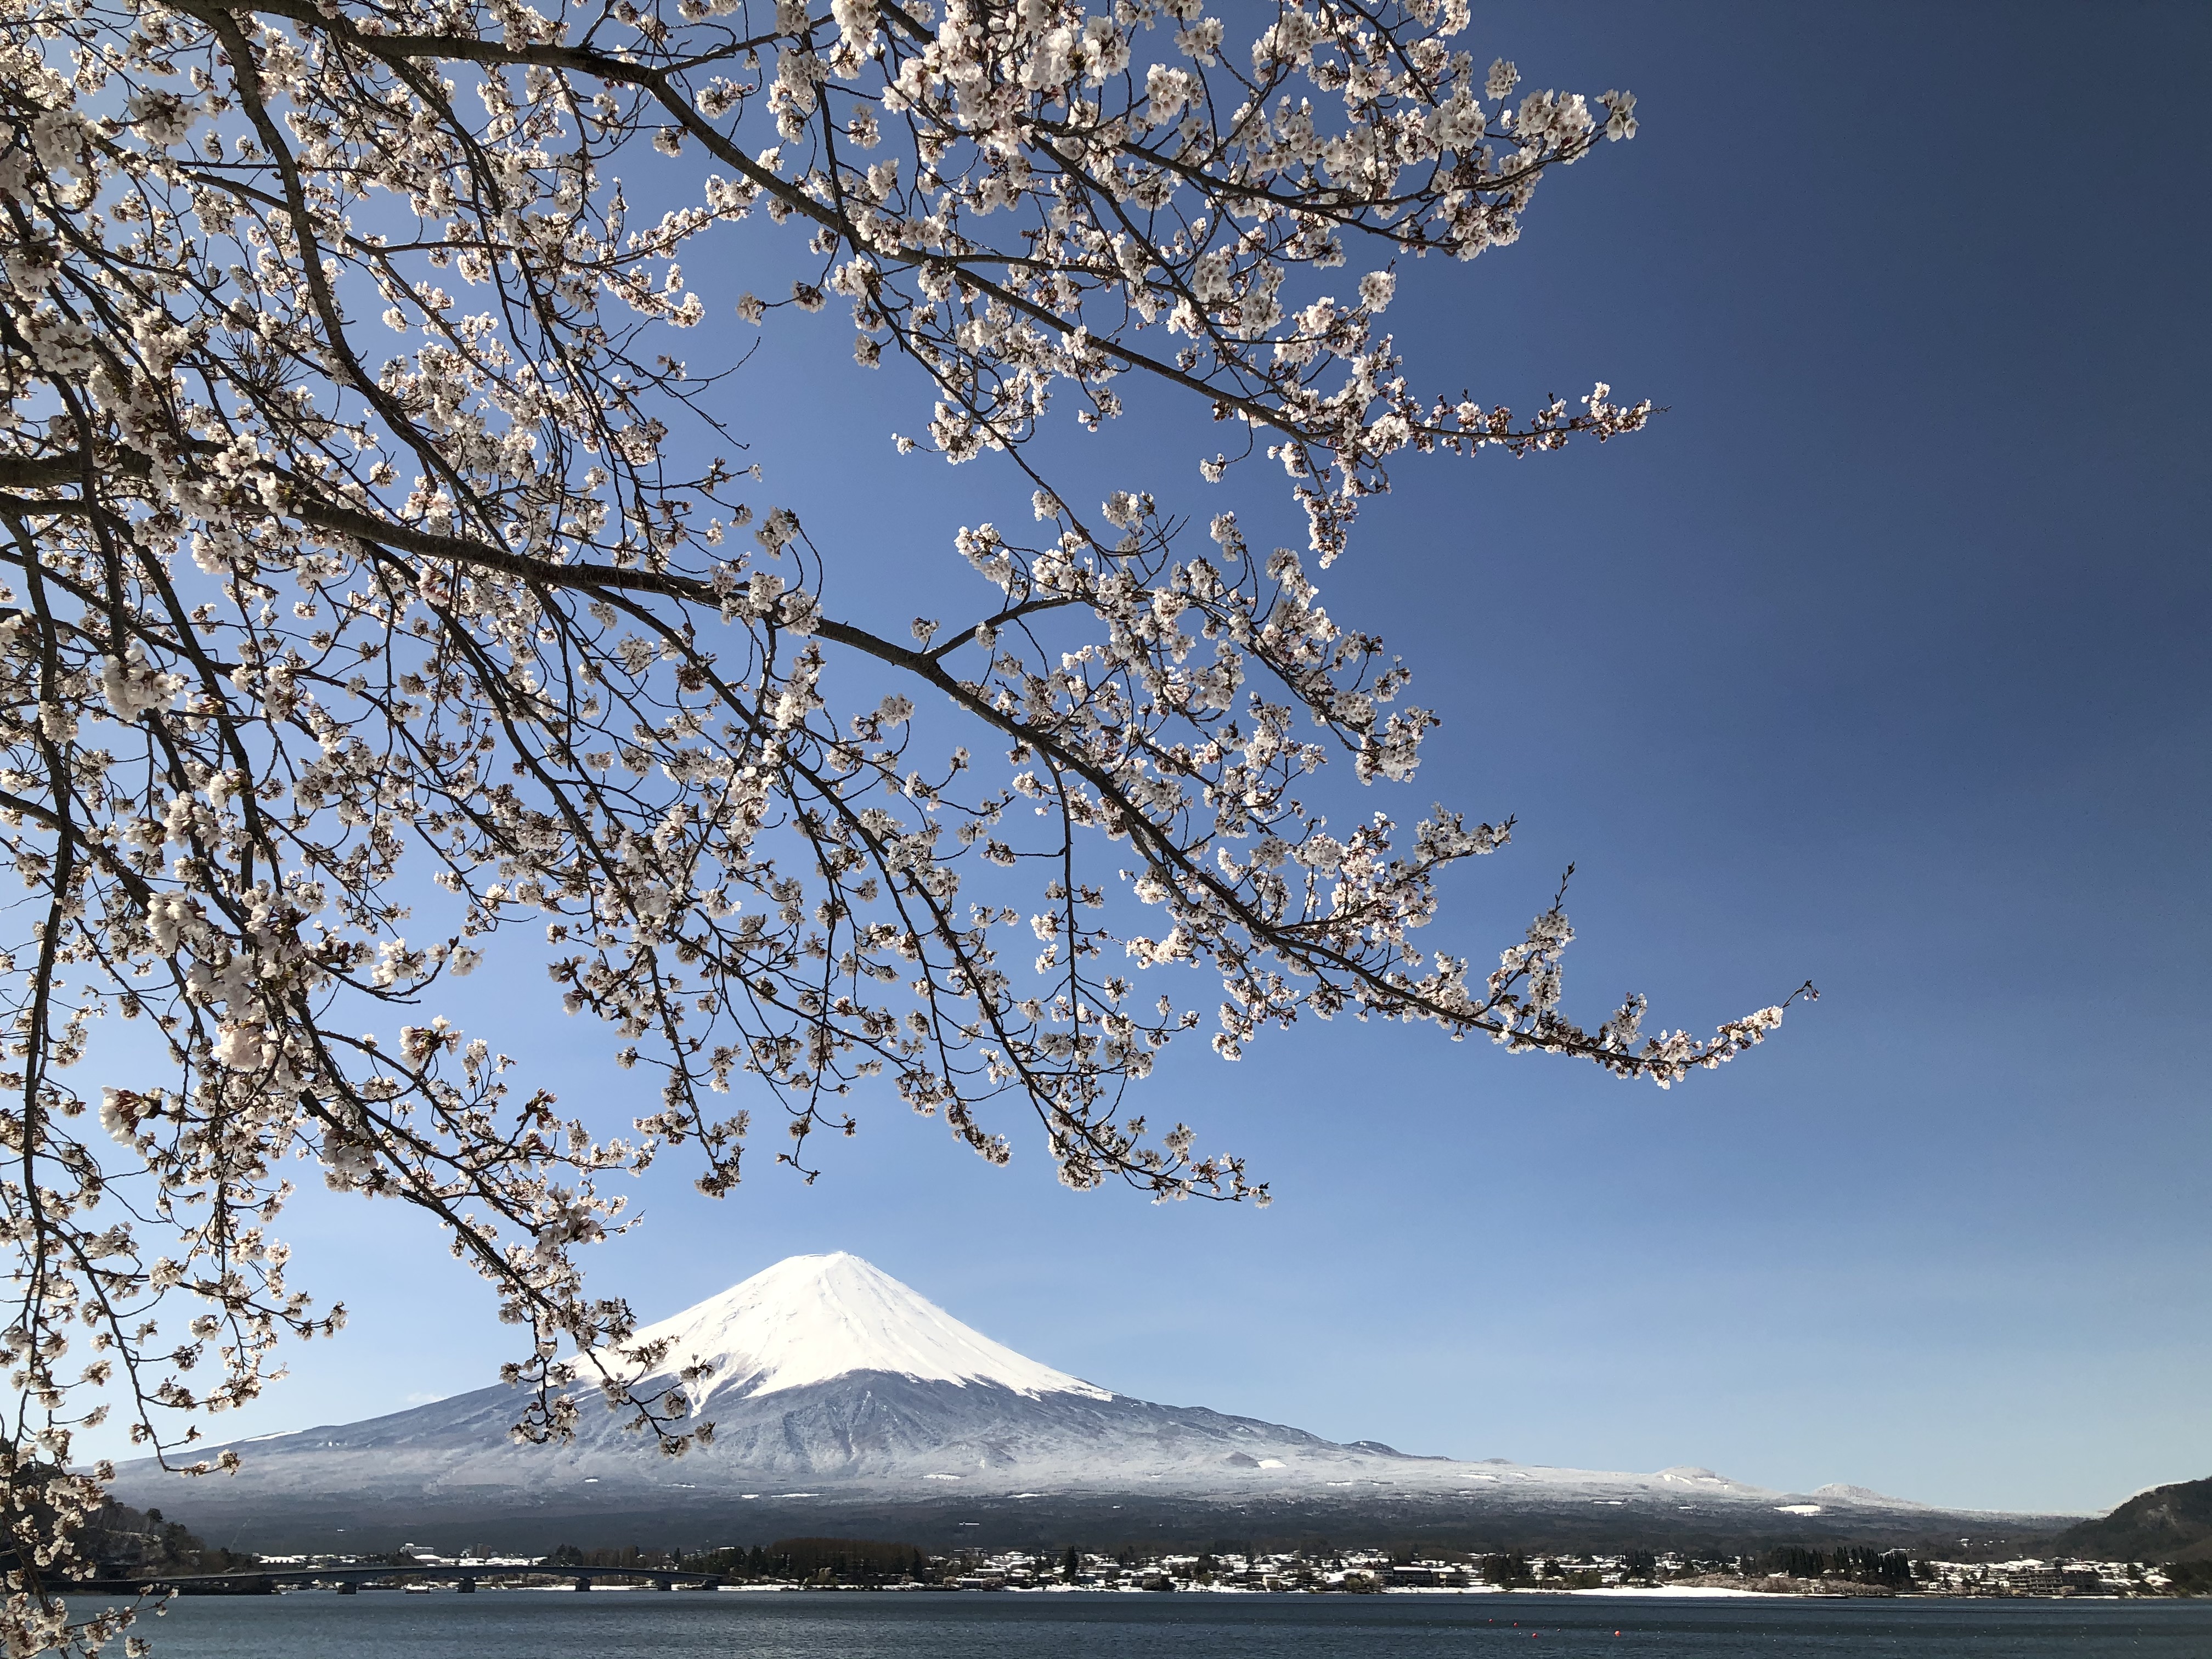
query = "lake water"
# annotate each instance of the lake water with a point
(564, 1625)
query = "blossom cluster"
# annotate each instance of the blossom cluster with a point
(362, 602)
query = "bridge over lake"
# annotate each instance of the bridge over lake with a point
(350, 1580)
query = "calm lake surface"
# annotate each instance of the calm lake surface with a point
(557, 1624)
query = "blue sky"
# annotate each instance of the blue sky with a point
(1880, 660)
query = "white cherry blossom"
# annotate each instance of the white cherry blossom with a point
(360, 604)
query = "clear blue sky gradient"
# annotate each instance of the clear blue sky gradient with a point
(1880, 658)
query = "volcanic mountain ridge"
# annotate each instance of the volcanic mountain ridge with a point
(844, 1402)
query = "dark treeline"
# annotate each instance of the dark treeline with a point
(1860, 1565)
(118, 1542)
(796, 1560)
(2189, 1578)
(866, 1561)
(121, 1542)
(113, 1542)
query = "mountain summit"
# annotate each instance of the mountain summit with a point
(844, 1402)
(811, 1319)
(2166, 1523)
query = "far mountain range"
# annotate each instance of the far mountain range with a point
(845, 1403)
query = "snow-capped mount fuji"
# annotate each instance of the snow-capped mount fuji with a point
(812, 1319)
(845, 1402)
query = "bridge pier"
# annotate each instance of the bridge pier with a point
(466, 1587)
(583, 1584)
(347, 1587)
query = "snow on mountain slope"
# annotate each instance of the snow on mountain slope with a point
(842, 1401)
(1837, 1491)
(811, 1318)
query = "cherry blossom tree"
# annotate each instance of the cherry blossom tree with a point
(374, 581)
